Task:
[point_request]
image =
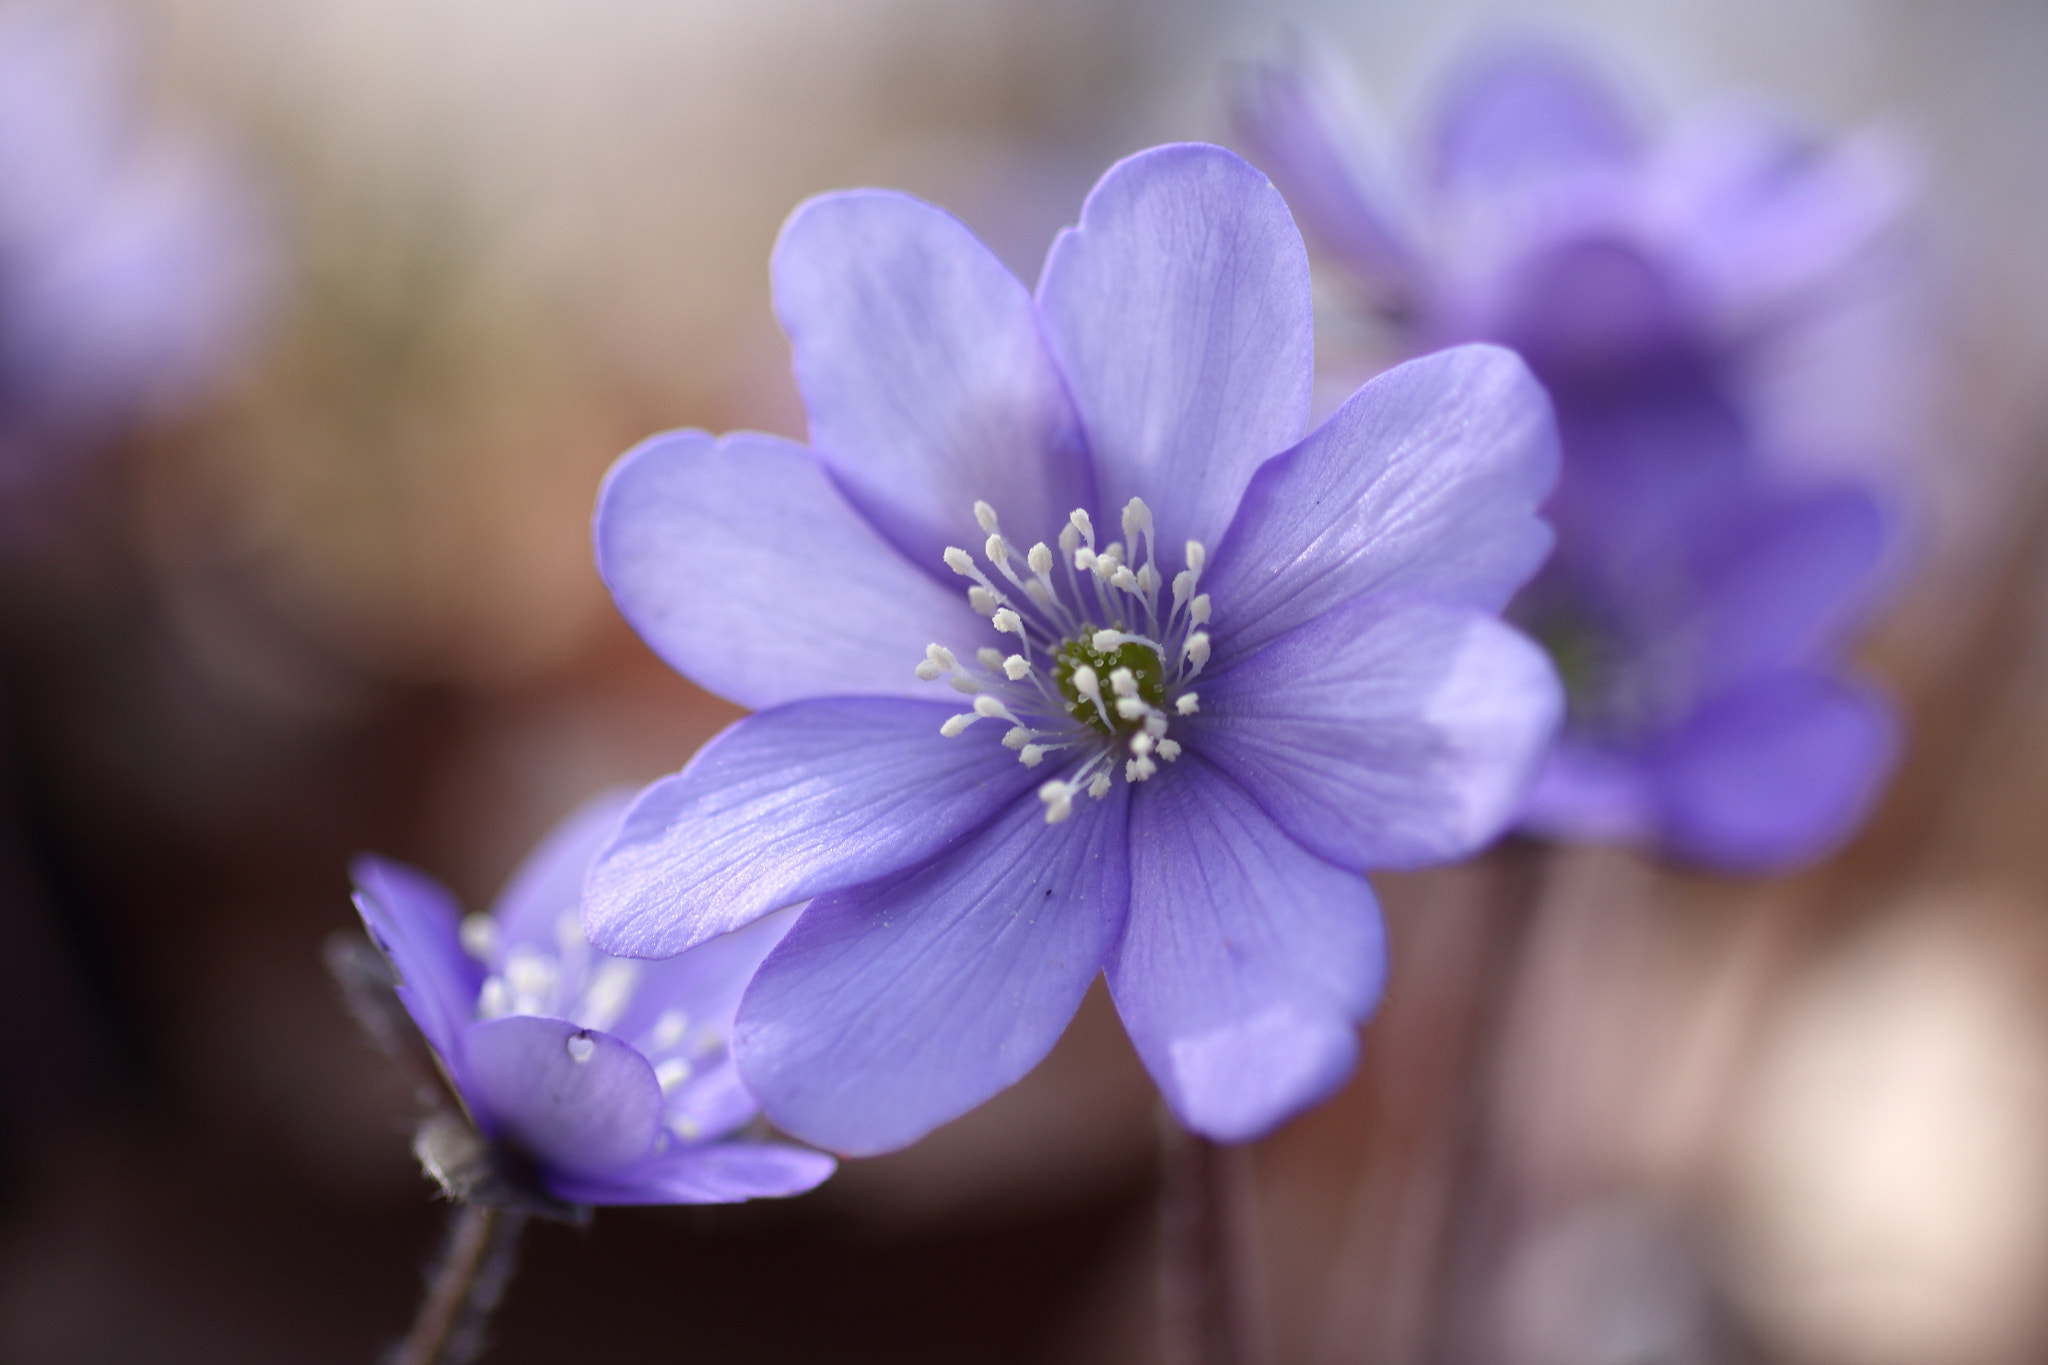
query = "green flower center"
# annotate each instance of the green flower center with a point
(1078, 653)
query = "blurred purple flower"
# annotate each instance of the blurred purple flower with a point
(612, 1079)
(1193, 754)
(132, 266)
(1701, 595)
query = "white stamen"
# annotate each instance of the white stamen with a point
(609, 992)
(989, 657)
(985, 517)
(492, 1001)
(989, 708)
(959, 561)
(1130, 708)
(1141, 743)
(1059, 801)
(956, 724)
(1155, 724)
(668, 1030)
(1018, 736)
(1196, 556)
(1188, 704)
(1138, 769)
(1008, 622)
(686, 1128)
(1196, 650)
(1099, 787)
(582, 1047)
(1169, 749)
(479, 936)
(1078, 519)
(983, 600)
(961, 682)
(997, 551)
(1016, 668)
(1123, 682)
(671, 1074)
(531, 980)
(927, 671)
(1198, 610)
(1105, 641)
(1031, 755)
(1040, 558)
(1123, 578)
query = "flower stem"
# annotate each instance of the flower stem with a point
(465, 1288)
(1202, 1269)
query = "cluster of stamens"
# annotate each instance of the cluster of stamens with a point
(1101, 667)
(592, 991)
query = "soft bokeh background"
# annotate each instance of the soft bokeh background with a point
(345, 602)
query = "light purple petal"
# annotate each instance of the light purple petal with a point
(1386, 734)
(1247, 962)
(1774, 776)
(415, 922)
(1179, 313)
(786, 804)
(1586, 793)
(748, 572)
(1528, 108)
(1305, 124)
(898, 1005)
(1425, 482)
(924, 374)
(705, 983)
(573, 1099)
(548, 883)
(1789, 589)
(723, 1174)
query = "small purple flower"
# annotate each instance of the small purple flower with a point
(1205, 671)
(1702, 593)
(132, 266)
(610, 1080)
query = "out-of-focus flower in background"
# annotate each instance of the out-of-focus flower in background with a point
(135, 261)
(601, 1080)
(1183, 786)
(1706, 580)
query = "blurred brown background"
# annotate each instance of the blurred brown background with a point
(348, 605)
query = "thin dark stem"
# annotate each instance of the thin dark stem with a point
(1202, 1290)
(465, 1288)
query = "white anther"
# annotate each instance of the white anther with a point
(531, 978)
(959, 561)
(1138, 769)
(686, 1128)
(1059, 801)
(1155, 724)
(955, 724)
(1078, 519)
(668, 1030)
(985, 517)
(991, 709)
(997, 549)
(961, 682)
(492, 1002)
(1099, 787)
(1016, 668)
(1031, 755)
(1070, 536)
(1124, 579)
(941, 656)
(929, 671)
(1183, 584)
(1105, 641)
(1141, 743)
(582, 1047)
(1137, 518)
(609, 992)
(983, 600)
(1148, 579)
(989, 657)
(1008, 622)
(671, 1074)
(1086, 683)
(479, 936)
(1018, 737)
(1040, 558)
(1169, 749)
(1198, 610)
(1130, 708)
(1197, 556)
(1084, 559)
(1188, 704)
(1123, 682)
(1196, 651)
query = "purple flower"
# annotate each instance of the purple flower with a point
(1205, 671)
(1702, 592)
(131, 267)
(610, 1079)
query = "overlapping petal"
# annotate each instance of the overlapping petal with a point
(416, 924)
(1527, 109)
(895, 1006)
(1246, 962)
(573, 1099)
(1179, 314)
(548, 883)
(723, 1174)
(745, 568)
(1774, 775)
(924, 373)
(1386, 734)
(786, 804)
(1426, 482)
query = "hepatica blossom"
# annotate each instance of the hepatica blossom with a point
(1073, 654)
(600, 1080)
(1702, 590)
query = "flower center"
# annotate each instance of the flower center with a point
(1102, 665)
